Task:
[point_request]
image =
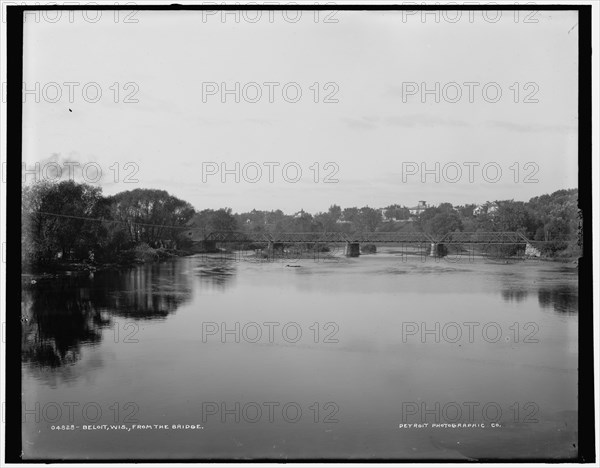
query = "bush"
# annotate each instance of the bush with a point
(141, 253)
(559, 248)
(145, 253)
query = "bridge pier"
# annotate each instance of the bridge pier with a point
(438, 250)
(433, 251)
(352, 249)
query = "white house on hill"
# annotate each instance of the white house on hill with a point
(417, 210)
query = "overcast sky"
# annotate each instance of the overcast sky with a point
(371, 135)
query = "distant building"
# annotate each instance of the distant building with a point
(485, 208)
(417, 210)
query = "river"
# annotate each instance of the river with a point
(214, 357)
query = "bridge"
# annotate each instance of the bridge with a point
(276, 241)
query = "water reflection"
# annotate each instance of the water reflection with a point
(60, 315)
(514, 295)
(562, 298)
(172, 370)
(57, 317)
(148, 293)
(556, 288)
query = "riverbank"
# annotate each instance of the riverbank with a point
(125, 259)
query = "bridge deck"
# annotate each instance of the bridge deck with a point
(369, 237)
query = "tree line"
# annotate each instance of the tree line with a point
(71, 221)
(552, 218)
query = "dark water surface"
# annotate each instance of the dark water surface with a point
(324, 360)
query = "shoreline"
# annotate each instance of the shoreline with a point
(78, 268)
(69, 268)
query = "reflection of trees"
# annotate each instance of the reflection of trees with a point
(60, 315)
(564, 298)
(56, 318)
(517, 295)
(149, 292)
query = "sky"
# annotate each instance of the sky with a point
(160, 121)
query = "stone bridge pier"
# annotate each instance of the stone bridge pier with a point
(437, 250)
(352, 249)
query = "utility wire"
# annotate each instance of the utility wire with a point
(103, 220)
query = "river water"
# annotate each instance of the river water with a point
(213, 357)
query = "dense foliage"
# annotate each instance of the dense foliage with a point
(68, 221)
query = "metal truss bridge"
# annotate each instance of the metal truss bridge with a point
(489, 238)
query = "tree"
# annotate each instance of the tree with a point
(555, 216)
(397, 212)
(512, 216)
(150, 216)
(350, 214)
(215, 220)
(54, 219)
(324, 222)
(335, 213)
(440, 220)
(466, 211)
(368, 219)
(302, 222)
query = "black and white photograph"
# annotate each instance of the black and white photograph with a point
(299, 232)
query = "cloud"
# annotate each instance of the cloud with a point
(530, 127)
(363, 123)
(411, 120)
(424, 120)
